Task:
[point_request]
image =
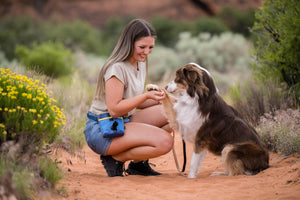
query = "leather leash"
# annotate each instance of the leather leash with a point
(184, 155)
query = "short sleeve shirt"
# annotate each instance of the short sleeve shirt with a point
(133, 80)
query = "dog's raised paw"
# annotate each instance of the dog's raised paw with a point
(150, 87)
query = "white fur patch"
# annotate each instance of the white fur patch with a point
(189, 117)
(201, 68)
(172, 87)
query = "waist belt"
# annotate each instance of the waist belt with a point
(102, 116)
(97, 117)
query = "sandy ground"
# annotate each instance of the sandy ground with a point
(86, 179)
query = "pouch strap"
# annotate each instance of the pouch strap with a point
(100, 117)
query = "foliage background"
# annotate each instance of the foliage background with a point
(223, 44)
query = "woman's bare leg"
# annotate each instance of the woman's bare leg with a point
(152, 115)
(140, 142)
(146, 136)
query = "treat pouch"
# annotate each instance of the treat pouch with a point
(111, 127)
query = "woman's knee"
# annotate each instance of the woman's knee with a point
(165, 143)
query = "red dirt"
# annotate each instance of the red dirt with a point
(86, 179)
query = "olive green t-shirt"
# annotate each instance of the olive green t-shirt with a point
(133, 80)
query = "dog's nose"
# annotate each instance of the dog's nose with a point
(166, 88)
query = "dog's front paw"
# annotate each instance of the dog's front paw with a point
(192, 175)
(150, 87)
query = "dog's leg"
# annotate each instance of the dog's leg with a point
(196, 163)
(169, 112)
(224, 155)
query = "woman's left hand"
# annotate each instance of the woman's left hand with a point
(156, 95)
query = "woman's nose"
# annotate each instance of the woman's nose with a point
(147, 51)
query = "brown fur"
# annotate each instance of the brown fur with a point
(224, 131)
(224, 126)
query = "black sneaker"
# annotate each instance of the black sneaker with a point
(112, 166)
(141, 168)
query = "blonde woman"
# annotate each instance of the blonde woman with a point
(120, 93)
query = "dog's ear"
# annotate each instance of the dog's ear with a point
(209, 83)
(195, 79)
(191, 76)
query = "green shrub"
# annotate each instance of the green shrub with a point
(211, 25)
(24, 31)
(278, 42)
(161, 61)
(23, 181)
(27, 112)
(22, 177)
(167, 30)
(238, 21)
(111, 32)
(222, 53)
(19, 31)
(78, 34)
(50, 171)
(52, 59)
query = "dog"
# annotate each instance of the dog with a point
(203, 118)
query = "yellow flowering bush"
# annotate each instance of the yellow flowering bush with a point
(27, 111)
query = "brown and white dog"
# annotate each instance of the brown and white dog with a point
(202, 117)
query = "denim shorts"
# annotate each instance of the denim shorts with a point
(94, 136)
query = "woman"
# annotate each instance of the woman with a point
(119, 92)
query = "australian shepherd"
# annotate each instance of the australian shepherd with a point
(202, 117)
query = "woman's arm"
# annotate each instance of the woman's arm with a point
(114, 89)
(148, 103)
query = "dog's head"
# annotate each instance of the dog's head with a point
(193, 79)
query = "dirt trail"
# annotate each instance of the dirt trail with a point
(86, 179)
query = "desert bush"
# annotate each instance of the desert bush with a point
(22, 179)
(210, 25)
(222, 53)
(27, 113)
(88, 66)
(161, 61)
(77, 90)
(112, 30)
(238, 21)
(77, 34)
(281, 131)
(50, 170)
(277, 48)
(52, 59)
(168, 30)
(19, 31)
(253, 98)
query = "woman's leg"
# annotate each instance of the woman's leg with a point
(140, 142)
(152, 115)
(146, 136)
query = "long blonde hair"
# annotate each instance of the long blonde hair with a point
(134, 30)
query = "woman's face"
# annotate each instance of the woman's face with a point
(142, 48)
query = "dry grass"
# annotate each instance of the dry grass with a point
(281, 131)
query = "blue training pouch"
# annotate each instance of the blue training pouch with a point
(111, 127)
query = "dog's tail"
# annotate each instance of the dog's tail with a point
(245, 158)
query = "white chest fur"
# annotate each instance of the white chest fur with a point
(188, 116)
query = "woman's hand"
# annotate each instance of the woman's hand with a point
(156, 95)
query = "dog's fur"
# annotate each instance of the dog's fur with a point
(202, 117)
